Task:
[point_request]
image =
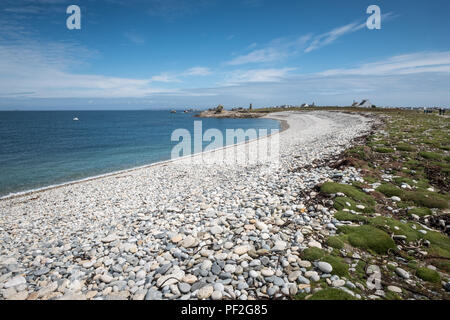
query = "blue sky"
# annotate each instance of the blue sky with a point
(135, 54)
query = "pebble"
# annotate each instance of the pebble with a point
(205, 292)
(324, 267)
(394, 289)
(16, 281)
(402, 273)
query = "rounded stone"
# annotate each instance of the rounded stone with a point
(325, 267)
(205, 292)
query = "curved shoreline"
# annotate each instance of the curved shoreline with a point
(283, 127)
(180, 231)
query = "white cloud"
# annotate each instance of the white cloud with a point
(276, 50)
(422, 62)
(164, 77)
(135, 38)
(331, 36)
(257, 75)
(197, 71)
(261, 55)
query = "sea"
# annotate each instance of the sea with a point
(45, 148)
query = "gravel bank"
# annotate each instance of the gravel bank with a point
(175, 231)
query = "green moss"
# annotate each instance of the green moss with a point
(400, 180)
(343, 202)
(360, 269)
(397, 227)
(430, 155)
(301, 296)
(413, 264)
(370, 179)
(384, 150)
(349, 191)
(428, 275)
(313, 254)
(427, 199)
(368, 237)
(442, 264)
(347, 216)
(335, 242)
(390, 190)
(421, 212)
(405, 204)
(406, 147)
(392, 296)
(439, 240)
(331, 294)
(340, 268)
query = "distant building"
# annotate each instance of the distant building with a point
(305, 105)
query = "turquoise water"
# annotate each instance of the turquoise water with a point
(42, 148)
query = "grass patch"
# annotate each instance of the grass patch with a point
(313, 254)
(384, 150)
(405, 147)
(349, 191)
(441, 264)
(427, 199)
(369, 238)
(390, 190)
(428, 275)
(331, 294)
(421, 212)
(347, 216)
(342, 202)
(430, 155)
(340, 268)
(396, 227)
(335, 242)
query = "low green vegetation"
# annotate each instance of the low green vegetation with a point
(384, 150)
(429, 275)
(410, 159)
(347, 216)
(313, 254)
(335, 242)
(348, 203)
(331, 294)
(427, 199)
(430, 155)
(406, 147)
(350, 191)
(340, 268)
(421, 212)
(390, 190)
(369, 238)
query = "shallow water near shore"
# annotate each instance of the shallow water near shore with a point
(43, 148)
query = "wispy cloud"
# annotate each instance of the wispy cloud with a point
(276, 50)
(135, 38)
(281, 48)
(197, 71)
(178, 76)
(422, 62)
(257, 75)
(331, 36)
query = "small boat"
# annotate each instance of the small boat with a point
(173, 111)
(75, 119)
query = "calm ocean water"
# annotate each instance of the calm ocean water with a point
(42, 148)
